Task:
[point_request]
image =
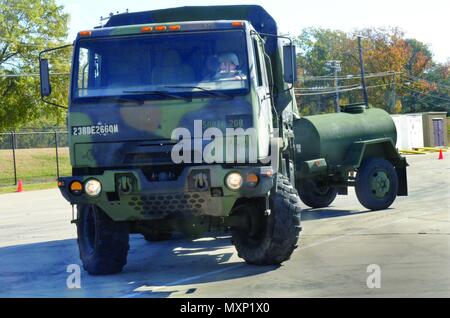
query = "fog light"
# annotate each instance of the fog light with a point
(93, 187)
(252, 180)
(234, 181)
(76, 188)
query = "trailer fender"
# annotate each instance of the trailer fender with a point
(378, 148)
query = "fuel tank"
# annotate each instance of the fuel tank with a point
(329, 136)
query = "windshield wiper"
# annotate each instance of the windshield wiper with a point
(159, 93)
(209, 92)
(111, 98)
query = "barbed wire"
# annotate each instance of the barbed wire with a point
(349, 76)
(330, 92)
(327, 88)
(342, 91)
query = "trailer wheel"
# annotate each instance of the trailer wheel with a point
(103, 243)
(376, 184)
(315, 196)
(269, 240)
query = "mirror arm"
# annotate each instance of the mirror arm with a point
(53, 104)
(40, 58)
(291, 44)
(53, 49)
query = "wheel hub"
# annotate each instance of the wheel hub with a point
(319, 188)
(380, 184)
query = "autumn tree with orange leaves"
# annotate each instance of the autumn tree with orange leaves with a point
(398, 71)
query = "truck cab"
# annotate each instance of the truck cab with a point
(158, 104)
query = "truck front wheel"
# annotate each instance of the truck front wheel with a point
(269, 239)
(376, 184)
(103, 243)
(314, 195)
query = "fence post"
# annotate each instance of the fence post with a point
(13, 142)
(57, 158)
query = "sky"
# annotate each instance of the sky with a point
(425, 20)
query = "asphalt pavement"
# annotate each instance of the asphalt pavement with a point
(344, 251)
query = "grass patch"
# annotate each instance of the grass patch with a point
(35, 167)
(29, 187)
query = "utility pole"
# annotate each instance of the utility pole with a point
(394, 94)
(335, 66)
(363, 78)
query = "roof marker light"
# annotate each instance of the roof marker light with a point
(237, 24)
(147, 29)
(85, 33)
(161, 28)
(175, 27)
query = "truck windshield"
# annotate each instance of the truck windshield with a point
(206, 64)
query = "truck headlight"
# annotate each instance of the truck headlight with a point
(93, 187)
(234, 181)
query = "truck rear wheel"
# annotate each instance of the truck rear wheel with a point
(376, 184)
(103, 243)
(314, 195)
(269, 240)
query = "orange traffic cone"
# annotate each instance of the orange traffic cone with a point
(441, 155)
(19, 186)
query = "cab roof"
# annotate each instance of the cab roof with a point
(255, 14)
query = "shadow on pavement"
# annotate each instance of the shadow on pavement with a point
(157, 269)
(317, 214)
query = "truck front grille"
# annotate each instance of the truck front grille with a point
(171, 204)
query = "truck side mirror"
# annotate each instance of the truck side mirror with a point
(46, 88)
(290, 64)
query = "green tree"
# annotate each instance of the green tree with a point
(430, 90)
(316, 47)
(26, 28)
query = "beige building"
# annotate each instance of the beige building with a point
(421, 130)
(435, 129)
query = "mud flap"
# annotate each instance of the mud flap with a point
(402, 181)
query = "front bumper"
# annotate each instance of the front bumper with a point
(183, 197)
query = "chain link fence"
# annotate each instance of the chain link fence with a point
(33, 156)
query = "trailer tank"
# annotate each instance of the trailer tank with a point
(330, 136)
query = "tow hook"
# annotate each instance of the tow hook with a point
(125, 184)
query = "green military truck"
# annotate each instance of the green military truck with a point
(151, 88)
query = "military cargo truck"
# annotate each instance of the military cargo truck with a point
(151, 88)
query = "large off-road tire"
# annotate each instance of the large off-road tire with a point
(314, 195)
(103, 243)
(269, 240)
(376, 184)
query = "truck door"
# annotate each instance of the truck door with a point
(261, 84)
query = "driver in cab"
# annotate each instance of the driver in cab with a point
(228, 68)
